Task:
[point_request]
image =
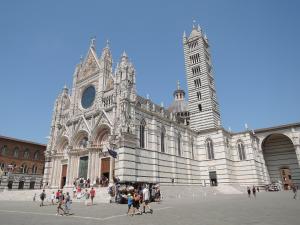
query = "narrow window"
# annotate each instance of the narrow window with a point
(142, 134)
(162, 140)
(199, 95)
(200, 107)
(241, 151)
(210, 149)
(178, 145)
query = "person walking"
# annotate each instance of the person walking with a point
(59, 206)
(92, 194)
(295, 189)
(146, 200)
(254, 191)
(42, 197)
(67, 203)
(136, 203)
(52, 197)
(249, 192)
(130, 204)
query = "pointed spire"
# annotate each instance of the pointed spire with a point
(178, 85)
(93, 42)
(107, 44)
(184, 34)
(124, 54)
(81, 59)
(194, 22)
(199, 28)
(65, 89)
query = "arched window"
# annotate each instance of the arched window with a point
(24, 168)
(162, 139)
(241, 150)
(36, 155)
(4, 150)
(83, 143)
(34, 169)
(16, 152)
(142, 133)
(179, 144)
(26, 154)
(210, 149)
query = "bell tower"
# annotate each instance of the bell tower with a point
(203, 104)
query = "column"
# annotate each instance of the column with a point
(111, 169)
(297, 149)
(89, 165)
(69, 180)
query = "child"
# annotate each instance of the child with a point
(130, 203)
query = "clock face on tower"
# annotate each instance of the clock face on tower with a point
(88, 97)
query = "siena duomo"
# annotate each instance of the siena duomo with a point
(184, 143)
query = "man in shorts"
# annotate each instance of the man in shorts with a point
(92, 194)
(146, 199)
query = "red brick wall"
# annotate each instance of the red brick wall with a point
(9, 158)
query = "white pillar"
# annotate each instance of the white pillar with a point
(297, 149)
(111, 169)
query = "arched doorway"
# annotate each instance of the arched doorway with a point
(281, 160)
(101, 140)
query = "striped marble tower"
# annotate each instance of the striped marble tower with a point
(203, 104)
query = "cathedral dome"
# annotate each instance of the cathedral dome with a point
(179, 104)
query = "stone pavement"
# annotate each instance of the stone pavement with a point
(269, 208)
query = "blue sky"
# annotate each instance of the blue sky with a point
(255, 50)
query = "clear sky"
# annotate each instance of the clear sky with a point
(255, 49)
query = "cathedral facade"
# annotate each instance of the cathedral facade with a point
(184, 143)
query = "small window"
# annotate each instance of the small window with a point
(179, 144)
(199, 95)
(142, 133)
(200, 107)
(4, 150)
(36, 155)
(26, 154)
(16, 152)
(210, 149)
(241, 150)
(197, 83)
(84, 142)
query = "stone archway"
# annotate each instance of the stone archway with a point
(281, 159)
(101, 138)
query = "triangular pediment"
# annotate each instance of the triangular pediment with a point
(90, 65)
(101, 119)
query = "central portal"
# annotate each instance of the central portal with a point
(83, 167)
(105, 167)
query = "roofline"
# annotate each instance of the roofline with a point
(284, 126)
(21, 140)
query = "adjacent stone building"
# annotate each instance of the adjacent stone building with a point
(21, 163)
(184, 143)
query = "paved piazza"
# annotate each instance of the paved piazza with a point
(267, 208)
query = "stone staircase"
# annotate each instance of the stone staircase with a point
(168, 192)
(27, 195)
(193, 192)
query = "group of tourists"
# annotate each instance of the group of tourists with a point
(135, 199)
(86, 194)
(59, 198)
(137, 196)
(254, 190)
